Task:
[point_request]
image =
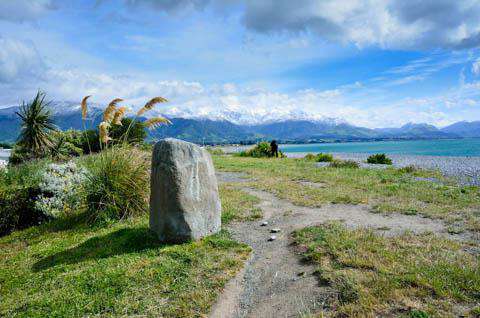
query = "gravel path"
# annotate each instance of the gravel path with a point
(465, 169)
(275, 282)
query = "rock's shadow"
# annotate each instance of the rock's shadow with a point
(123, 241)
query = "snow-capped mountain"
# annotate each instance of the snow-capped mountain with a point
(230, 124)
(237, 116)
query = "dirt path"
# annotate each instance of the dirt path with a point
(275, 282)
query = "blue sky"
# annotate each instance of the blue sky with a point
(373, 63)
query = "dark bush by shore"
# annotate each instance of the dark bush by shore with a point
(261, 150)
(379, 158)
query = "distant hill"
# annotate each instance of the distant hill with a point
(464, 128)
(415, 131)
(204, 130)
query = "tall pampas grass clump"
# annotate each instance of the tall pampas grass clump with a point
(117, 182)
(113, 116)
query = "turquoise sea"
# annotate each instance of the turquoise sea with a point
(445, 147)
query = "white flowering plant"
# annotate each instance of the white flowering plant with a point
(60, 188)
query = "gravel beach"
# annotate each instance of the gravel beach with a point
(465, 169)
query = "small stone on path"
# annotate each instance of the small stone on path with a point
(264, 223)
(275, 230)
(272, 238)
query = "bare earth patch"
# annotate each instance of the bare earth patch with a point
(275, 282)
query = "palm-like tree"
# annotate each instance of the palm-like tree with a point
(37, 124)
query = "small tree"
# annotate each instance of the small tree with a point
(36, 126)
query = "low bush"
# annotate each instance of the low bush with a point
(324, 157)
(344, 164)
(379, 158)
(17, 208)
(60, 189)
(116, 185)
(261, 150)
(320, 157)
(19, 189)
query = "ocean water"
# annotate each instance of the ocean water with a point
(4, 154)
(447, 147)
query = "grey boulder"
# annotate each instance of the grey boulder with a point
(184, 200)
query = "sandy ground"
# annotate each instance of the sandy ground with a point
(275, 282)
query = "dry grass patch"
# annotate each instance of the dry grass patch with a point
(409, 275)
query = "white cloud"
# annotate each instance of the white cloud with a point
(476, 67)
(18, 60)
(385, 23)
(409, 24)
(24, 10)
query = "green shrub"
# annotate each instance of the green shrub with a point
(19, 155)
(379, 158)
(116, 185)
(324, 157)
(261, 150)
(17, 208)
(344, 164)
(19, 189)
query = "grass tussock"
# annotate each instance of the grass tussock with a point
(350, 164)
(64, 269)
(116, 184)
(406, 276)
(238, 205)
(385, 190)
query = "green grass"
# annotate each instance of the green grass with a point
(408, 275)
(385, 190)
(63, 269)
(238, 205)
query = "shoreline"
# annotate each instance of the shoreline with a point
(465, 169)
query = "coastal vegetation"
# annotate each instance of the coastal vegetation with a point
(408, 275)
(320, 157)
(379, 158)
(338, 163)
(260, 150)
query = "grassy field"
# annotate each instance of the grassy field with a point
(238, 205)
(389, 190)
(404, 276)
(73, 270)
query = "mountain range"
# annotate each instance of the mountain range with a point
(233, 127)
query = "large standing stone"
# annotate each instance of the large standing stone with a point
(184, 201)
